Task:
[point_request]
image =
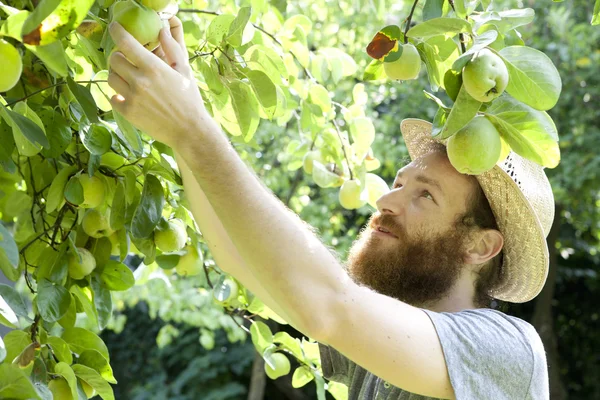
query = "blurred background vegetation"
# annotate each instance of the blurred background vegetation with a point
(157, 359)
(167, 341)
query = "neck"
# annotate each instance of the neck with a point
(459, 298)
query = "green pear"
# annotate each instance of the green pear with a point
(81, 265)
(282, 366)
(173, 238)
(405, 68)
(93, 190)
(141, 22)
(10, 67)
(485, 77)
(96, 224)
(191, 263)
(475, 148)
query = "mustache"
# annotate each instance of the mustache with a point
(389, 223)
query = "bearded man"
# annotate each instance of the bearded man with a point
(407, 316)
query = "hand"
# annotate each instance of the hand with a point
(157, 93)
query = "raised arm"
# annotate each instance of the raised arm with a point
(221, 247)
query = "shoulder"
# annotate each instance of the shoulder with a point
(497, 331)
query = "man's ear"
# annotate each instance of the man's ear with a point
(484, 246)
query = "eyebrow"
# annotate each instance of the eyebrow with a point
(424, 179)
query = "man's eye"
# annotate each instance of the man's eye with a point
(429, 194)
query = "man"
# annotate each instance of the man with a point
(405, 317)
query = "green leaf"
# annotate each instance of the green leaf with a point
(56, 195)
(262, 337)
(15, 342)
(116, 276)
(58, 132)
(85, 297)
(96, 138)
(596, 13)
(432, 9)
(374, 71)
(218, 28)
(529, 132)
(439, 26)
(68, 320)
(103, 303)
(61, 349)
(292, 344)
(39, 14)
(265, 91)
(533, 78)
(74, 191)
(13, 300)
(118, 207)
(25, 126)
(53, 19)
(80, 339)
(149, 210)
(363, 134)
(53, 264)
(263, 58)
(302, 375)
(481, 41)
(167, 261)
(7, 148)
(63, 369)
(323, 177)
(236, 30)
(93, 378)
(504, 20)
(128, 134)
(464, 109)
(9, 247)
(94, 360)
(320, 96)
(84, 98)
(14, 384)
(245, 106)
(53, 300)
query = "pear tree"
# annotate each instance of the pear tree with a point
(83, 190)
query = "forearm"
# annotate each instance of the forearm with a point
(221, 247)
(301, 274)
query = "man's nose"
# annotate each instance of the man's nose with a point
(393, 202)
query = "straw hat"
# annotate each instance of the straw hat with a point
(521, 198)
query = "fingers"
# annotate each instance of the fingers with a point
(119, 64)
(131, 48)
(118, 84)
(177, 32)
(174, 56)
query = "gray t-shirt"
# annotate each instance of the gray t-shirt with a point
(490, 356)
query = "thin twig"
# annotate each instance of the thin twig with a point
(412, 11)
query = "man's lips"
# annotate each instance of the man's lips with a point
(378, 231)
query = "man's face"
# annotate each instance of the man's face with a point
(425, 258)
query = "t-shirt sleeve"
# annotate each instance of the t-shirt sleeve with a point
(491, 355)
(336, 366)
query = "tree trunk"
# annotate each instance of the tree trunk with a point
(542, 316)
(258, 380)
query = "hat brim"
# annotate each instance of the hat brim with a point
(525, 251)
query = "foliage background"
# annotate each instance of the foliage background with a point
(153, 340)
